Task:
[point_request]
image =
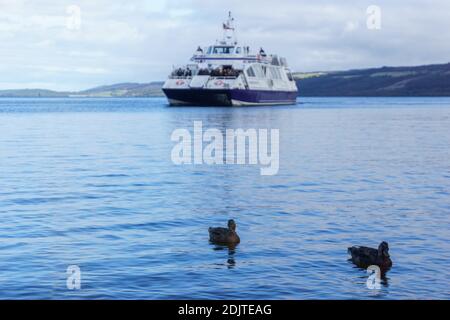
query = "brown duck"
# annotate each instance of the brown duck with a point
(224, 235)
(364, 257)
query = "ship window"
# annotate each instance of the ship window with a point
(259, 73)
(250, 72)
(270, 73)
(223, 50)
(277, 71)
(238, 50)
(274, 73)
(275, 61)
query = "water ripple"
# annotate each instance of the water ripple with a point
(108, 198)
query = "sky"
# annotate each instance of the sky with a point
(75, 45)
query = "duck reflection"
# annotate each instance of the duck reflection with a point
(231, 262)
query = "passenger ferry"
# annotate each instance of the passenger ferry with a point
(229, 74)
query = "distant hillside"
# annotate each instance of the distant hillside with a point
(124, 90)
(25, 93)
(431, 80)
(152, 89)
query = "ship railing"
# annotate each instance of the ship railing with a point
(180, 77)
(211, 77)
(224, 77)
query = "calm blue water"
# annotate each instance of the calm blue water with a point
(90, 182)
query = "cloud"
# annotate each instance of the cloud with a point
(141, 40)
(55, 69)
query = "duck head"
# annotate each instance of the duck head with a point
(231, 225)
(383, 250)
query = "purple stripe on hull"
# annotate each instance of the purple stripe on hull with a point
(263, 96)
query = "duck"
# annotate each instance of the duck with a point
(364, 257)
(224, 235)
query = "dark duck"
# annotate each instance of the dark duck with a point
(224, 236)
(364, 257)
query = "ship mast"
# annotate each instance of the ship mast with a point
(229, 31)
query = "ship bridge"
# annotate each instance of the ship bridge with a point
(218, 54)
(225, 51)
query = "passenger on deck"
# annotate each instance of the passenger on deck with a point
(262, 53)
(203, 72)
(217, 72)
(199, 52)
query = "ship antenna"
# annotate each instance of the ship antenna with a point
(229, 31)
